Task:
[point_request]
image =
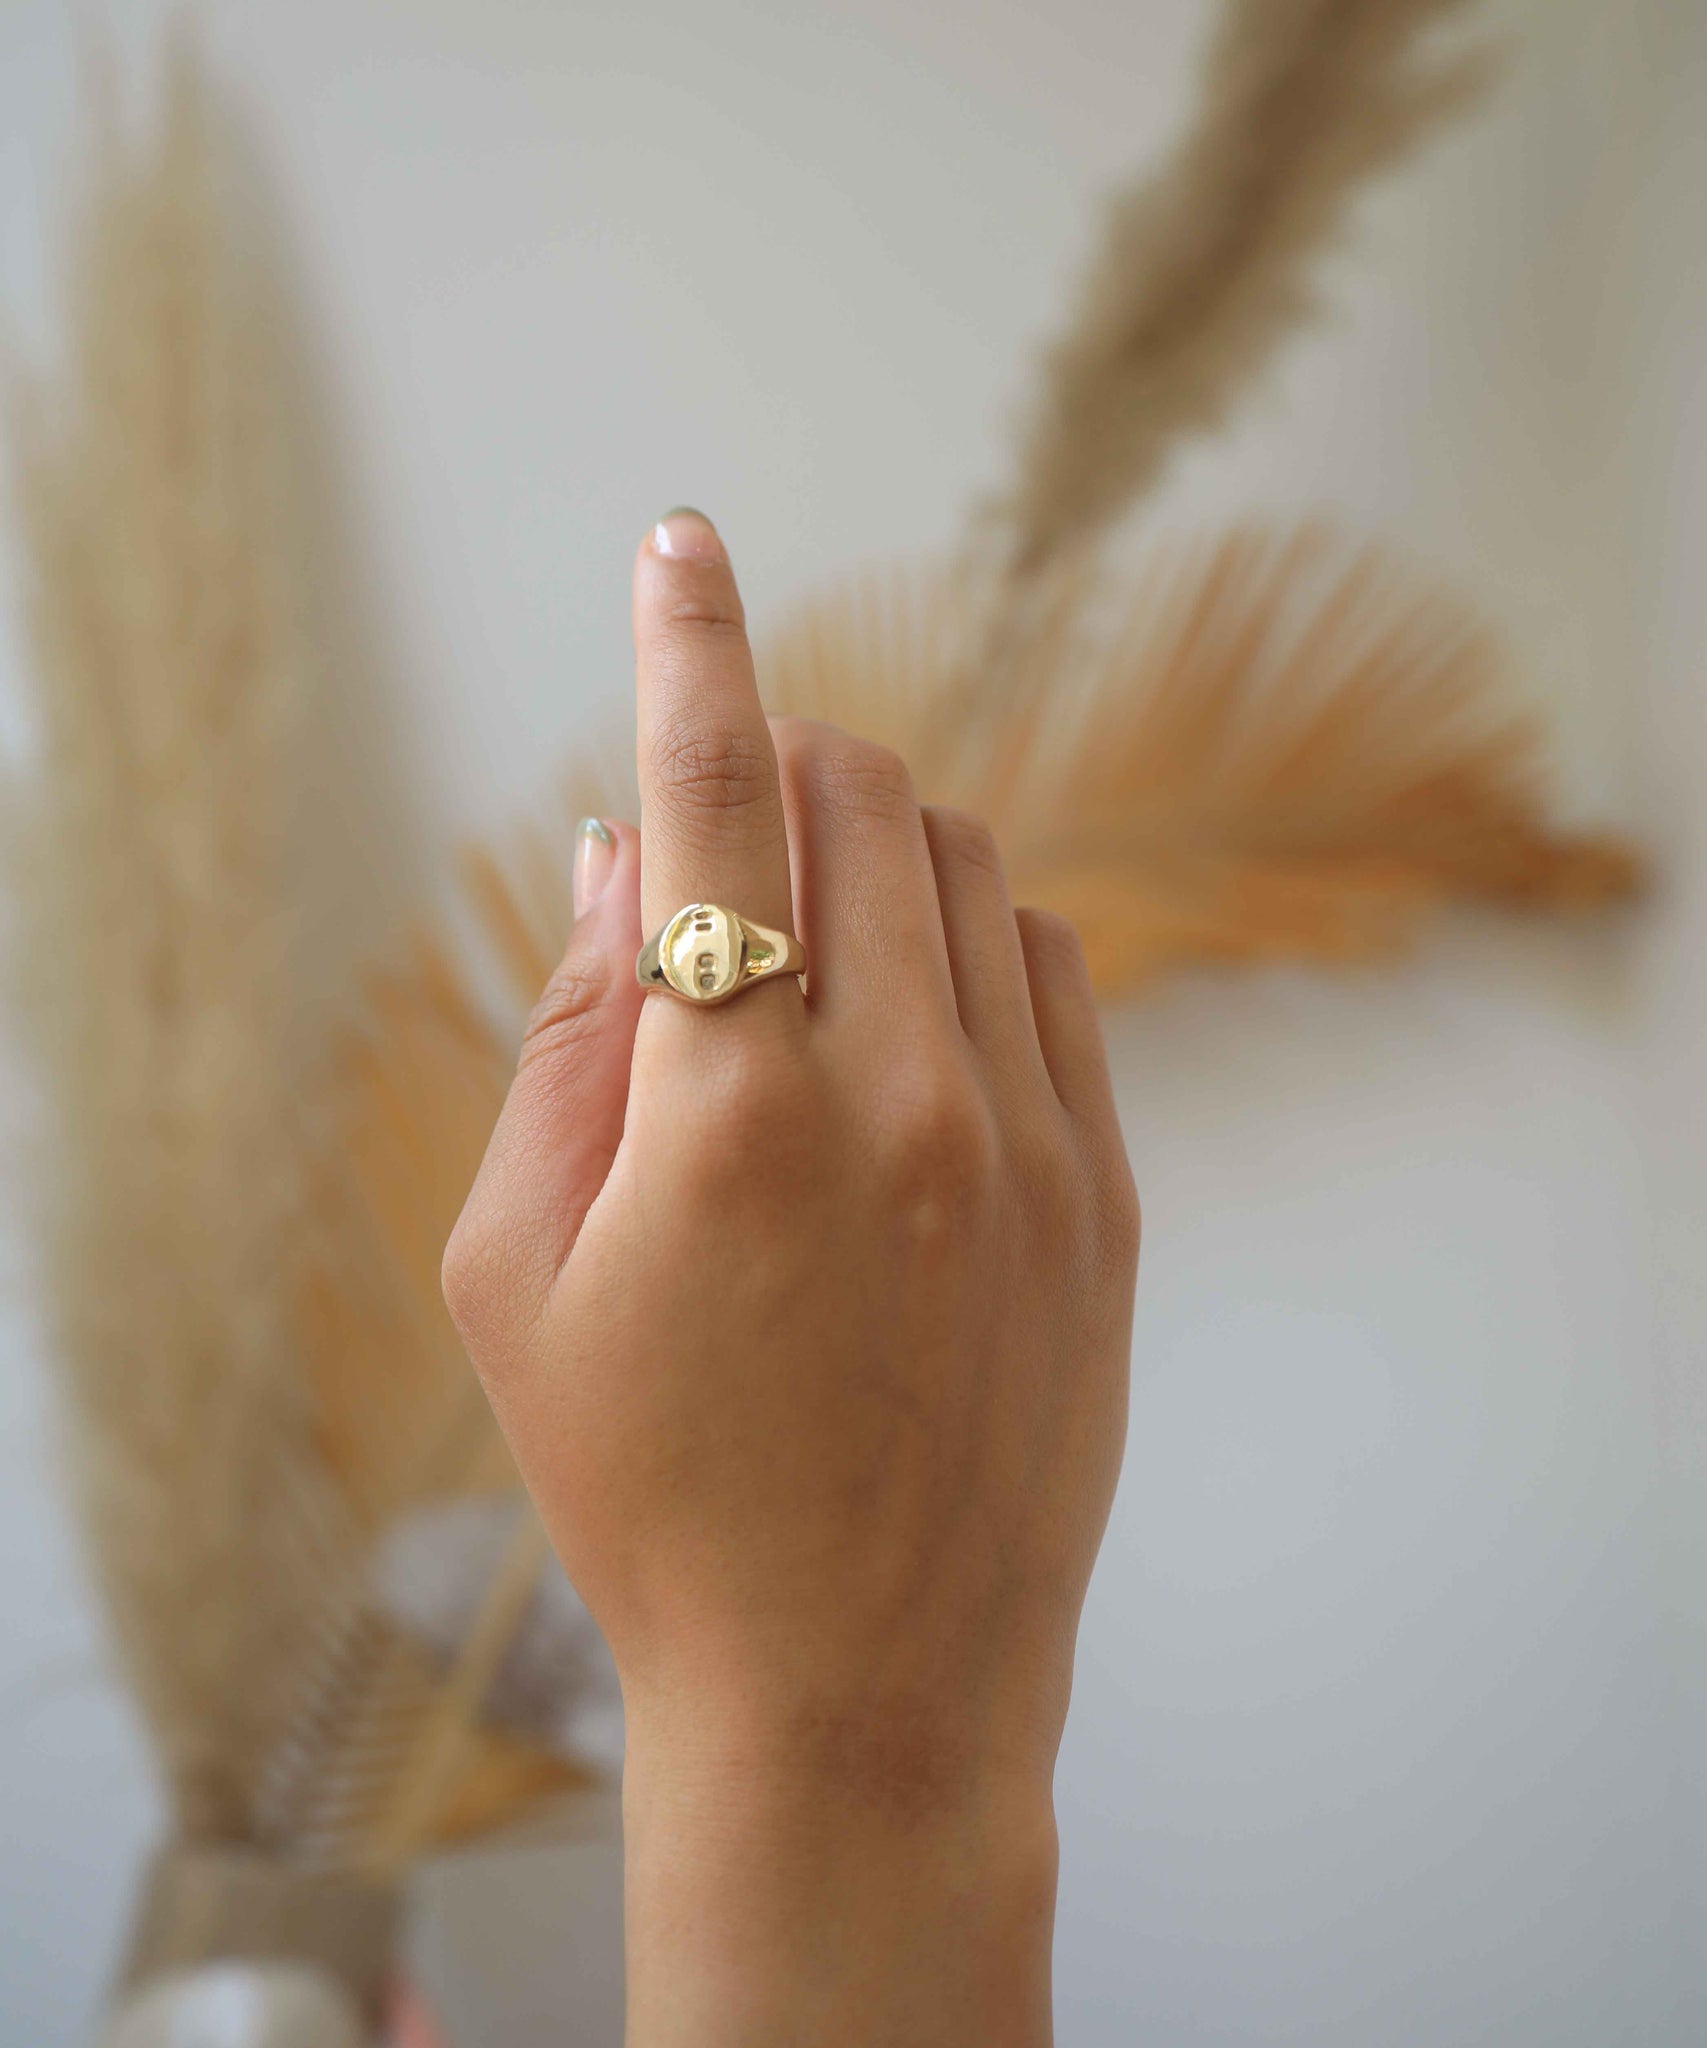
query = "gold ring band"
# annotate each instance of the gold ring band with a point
(706, 954)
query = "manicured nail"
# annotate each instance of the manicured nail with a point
(687, 535)
(595, 857)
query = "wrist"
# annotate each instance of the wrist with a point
(841, 1889)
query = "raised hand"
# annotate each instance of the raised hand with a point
(807, 1318)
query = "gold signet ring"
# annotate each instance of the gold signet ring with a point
(706, 954)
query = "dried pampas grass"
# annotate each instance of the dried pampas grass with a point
(155, 967)
(1204, 268)
(239, 1278)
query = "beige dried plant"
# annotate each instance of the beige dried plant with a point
(154, 967)
(1206, 266)
(257, 1375)
(1274, 746)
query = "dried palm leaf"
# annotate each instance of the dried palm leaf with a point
(1204, 268)
(1277, 746)
(413, 1099)
(399, 1755)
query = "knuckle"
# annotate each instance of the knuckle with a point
(967, 840)
(939, 1143)
(718, 772)
(1119, 1214)
(792, 733)
(457, 1270)
(699, 601)
(1046, 1165)
(1053, 936)
(1079, 1193)
(859, 778)
(689, 624)
(726, 1160)
(728, 1062)
(475, 1275)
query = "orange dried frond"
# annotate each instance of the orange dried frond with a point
(415, 1098)
(404, 1423)
(502, 1781)
(1280, 747)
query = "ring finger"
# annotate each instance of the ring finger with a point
(984, 949)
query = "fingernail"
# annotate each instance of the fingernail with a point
(595, 857)
(687, 535)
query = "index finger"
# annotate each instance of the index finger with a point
(711, 807)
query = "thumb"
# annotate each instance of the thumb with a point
(562, 1121)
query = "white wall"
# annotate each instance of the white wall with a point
(1390, 1661)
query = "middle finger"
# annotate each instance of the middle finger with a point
(864, 884)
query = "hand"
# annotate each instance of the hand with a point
(807, 1319)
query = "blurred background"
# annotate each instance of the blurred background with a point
(1388, 1717)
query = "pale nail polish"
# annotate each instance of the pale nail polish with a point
(686, 535)
(595, 857)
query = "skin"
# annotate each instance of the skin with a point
(807, 1318)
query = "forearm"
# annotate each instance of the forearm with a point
(786, 1907)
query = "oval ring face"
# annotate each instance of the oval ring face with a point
(700, 951)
